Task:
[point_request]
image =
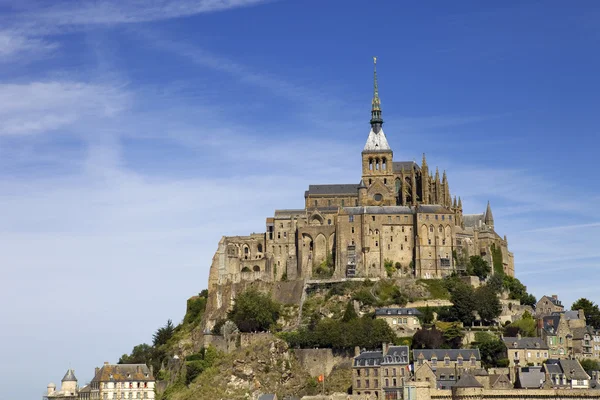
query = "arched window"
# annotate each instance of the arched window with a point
(256, 268)
(370, 164)
(259, 248)
(384, 164)
(431, 229)
(377, 164)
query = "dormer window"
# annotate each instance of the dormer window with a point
(515, 345)
(433, 361)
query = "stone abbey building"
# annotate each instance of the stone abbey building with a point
(398, 212)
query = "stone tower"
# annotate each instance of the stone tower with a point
(377, 167)
(69, 382)
(489, 218)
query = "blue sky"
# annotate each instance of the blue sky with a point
(133, 134)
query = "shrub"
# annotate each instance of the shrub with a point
(254, 311)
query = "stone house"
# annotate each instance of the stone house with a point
(404, 321)
(523, 351)
(122, 381)
(566, 374)
(548, 305)
(531, 377)
(448, 358)
(583, 345)
(381, 373)
(567, 335)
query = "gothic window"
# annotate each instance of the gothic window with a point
(246, 250)
(385, 180)
(328, 222)
(440, 229)
(384, 163)
(431, 229)
(370, 164)
(256, 268)
(259, 247)
(351, 219)
(377, 164)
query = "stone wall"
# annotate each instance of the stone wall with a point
(322, 361)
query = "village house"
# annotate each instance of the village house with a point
(381, 373)
(404, 321)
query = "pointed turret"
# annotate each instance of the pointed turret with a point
(69, 376)
(376, 140)
(459, 203)
(425, 180)
(489, 217)
(454, 204)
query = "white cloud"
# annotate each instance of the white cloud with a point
(14, 45)
(45, 106)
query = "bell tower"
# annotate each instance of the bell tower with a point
(377, 167)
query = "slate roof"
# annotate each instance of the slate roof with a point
(496, 378)
(69, 376)
(473, 220)
(377, 142)
(379, 210)
(396, 355)
(268, 396)
(368, 359)
(579, 333)
(525, 343)
(397, 311)
(406, 165)
(440, 354)
(123, 372)
(433, 208)
(468, 380)
(573, 370)
(554, 301)
(530, 377)
(342, 189)
(552, 368)
(289, 213)
(571, 314)
(85, 389)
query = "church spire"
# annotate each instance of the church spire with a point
(376, 120)
(489, 218)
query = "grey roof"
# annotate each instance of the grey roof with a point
(573, 370)
(473, 220)
(579, 333)
(433, 208)
(571, 314)
(554, 301)
(397, 311)
(406, 165)
(268, 396)
(69, 376)
(345, 189)
(85, 389)
(446, 373)
(396, 355)
(489, 217)
(468, 380)
(495, 378)
(379, 210)
(530, 377)
(525, 343)
(377, 142)
(552, 368)
(368, 359)
(440, 354)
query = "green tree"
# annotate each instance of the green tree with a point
(254, 311)
(426, 315)
(453, 336)
(591, 311)
(163, 334)
(590, 365)
(479, 266)
(491, 349)
(496, 283)
(487, 304)
(141, 354)
(526, 326)
(463, 300)
(349, 313)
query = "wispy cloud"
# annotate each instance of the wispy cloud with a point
(15, 45)
(565, 227)
(46, 106)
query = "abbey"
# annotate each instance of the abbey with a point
(399, 214)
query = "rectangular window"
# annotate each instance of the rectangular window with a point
(367, 385)
(316, 203)
(373, 217)
(284, 234)
(342, 203)
(443, 217)
(406, 238)
(352, 229)
(436, 217)
(351, 218)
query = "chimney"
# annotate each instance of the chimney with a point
(555, 297)
(96, 371)
(138, 369)
(356, 351)
(105, 362)
(581, 314)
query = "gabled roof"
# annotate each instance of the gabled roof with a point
(579, 333)
(550, 324)
(473, 220)
(433, 208)
(69, 376)
(573, 370)
(497, 378)
(345, 189)
(524, 343)
(530, 377)
(440, 354)
(377, 142)
(123, 372)
(405, 165)
(468, 380)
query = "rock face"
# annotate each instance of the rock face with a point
(221, 297)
